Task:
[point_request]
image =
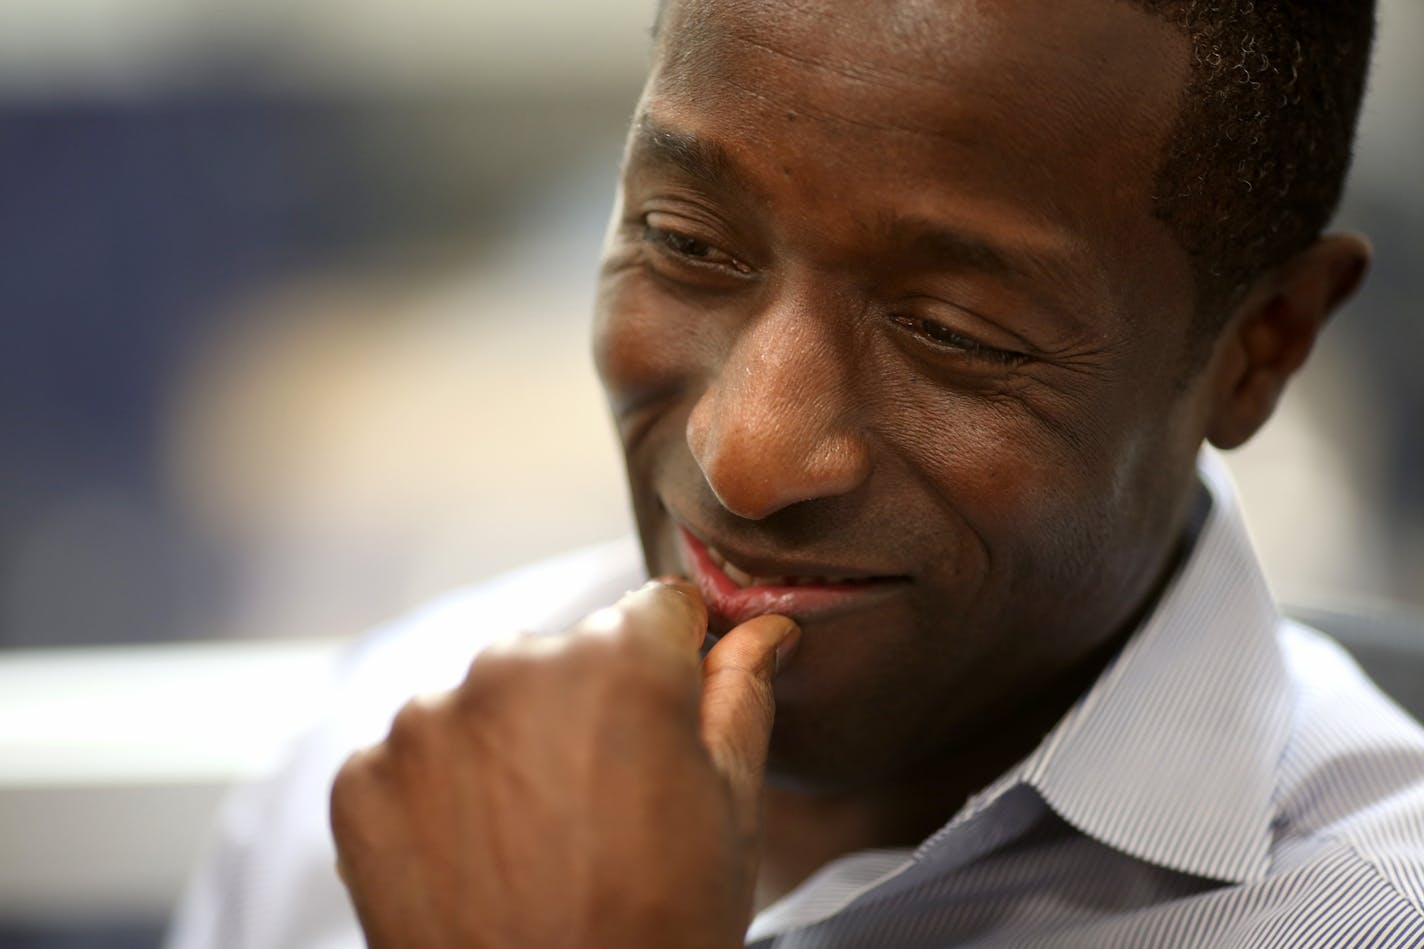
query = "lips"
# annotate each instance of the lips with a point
(744, 579)
(738, 593)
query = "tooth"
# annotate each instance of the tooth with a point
(744, 579)
(740, 577)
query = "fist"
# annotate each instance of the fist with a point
(597, 788)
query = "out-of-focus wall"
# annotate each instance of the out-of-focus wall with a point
(294, 297)
(365, 48)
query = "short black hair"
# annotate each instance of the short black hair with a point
(1254, 166)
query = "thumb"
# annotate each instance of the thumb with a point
(737, 706)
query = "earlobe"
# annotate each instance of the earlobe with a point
(1272, 332)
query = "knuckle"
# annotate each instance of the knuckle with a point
(606, 643)
(618, 656)
(502, 667)
(634, 628)
(601, 653)
(511, 646)
(503, 658)
(416, 723)
(608, 622)
(354, 792)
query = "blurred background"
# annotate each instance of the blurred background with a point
(293, 300)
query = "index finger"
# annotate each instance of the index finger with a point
(668, 610)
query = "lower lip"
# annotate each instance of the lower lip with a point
(738, 604)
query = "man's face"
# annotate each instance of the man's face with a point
(896, 347)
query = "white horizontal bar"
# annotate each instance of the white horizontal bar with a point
(172, 714)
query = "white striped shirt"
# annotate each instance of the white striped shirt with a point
(1232, 779)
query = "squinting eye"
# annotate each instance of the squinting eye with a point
(679, 243)
(690, 248)
(945, 338)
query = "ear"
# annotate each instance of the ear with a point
(1271, 333)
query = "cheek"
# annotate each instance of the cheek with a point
(1030, 498)
(645, 355)
(987, 455)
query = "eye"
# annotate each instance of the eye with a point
(684, 248)
(680, 244)
(945, 339)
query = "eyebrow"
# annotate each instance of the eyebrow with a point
(1044, 271)
(695, 157)
(925, 240)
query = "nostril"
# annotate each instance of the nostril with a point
(746, 494)
(756, 471)
(767, 440)
(739, 465)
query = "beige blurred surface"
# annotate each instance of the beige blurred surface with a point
(368, 449)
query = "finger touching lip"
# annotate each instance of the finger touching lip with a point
(665, 609)
(736, 594)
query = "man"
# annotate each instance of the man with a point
(913, 317)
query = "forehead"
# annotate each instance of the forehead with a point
(1039, 89)
(1101, 52)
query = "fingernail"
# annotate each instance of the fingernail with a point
(681, 584)
(688, 596)
(786, 647)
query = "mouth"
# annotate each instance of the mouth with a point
(736, 593)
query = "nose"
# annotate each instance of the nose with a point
(779, 422)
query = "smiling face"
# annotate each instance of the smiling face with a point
(896, 346)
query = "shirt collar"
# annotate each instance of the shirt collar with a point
(1170, 757)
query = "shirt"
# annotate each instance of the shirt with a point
(1231, 779)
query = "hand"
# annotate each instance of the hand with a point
(597, 788)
